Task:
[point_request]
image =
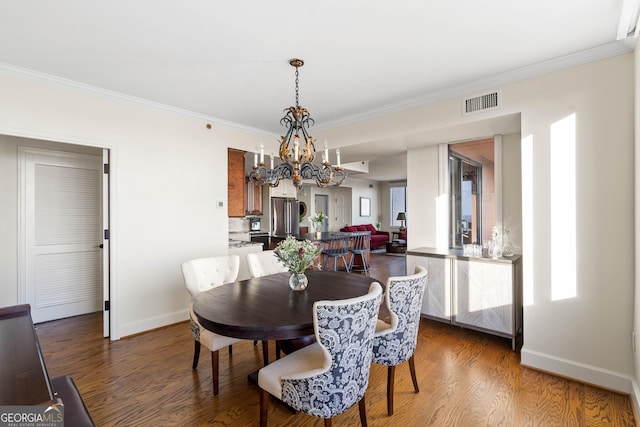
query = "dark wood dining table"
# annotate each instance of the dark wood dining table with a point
(265, 308)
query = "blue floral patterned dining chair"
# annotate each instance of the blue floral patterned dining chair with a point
(395, 340)
(329, 376)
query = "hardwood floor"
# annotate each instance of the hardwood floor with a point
(466, 378)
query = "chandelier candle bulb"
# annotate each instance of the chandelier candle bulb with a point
(338, 157)
(271, 160)
(255, 160)
(325, 158)
(261, 153)
(296, 149)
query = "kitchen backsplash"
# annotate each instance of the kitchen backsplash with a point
(238, 225)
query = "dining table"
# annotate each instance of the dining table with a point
(266, 308)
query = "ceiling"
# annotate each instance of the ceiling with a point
(229, 61)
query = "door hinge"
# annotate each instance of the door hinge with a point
(106, 168)
(106, 234)
(107, 305)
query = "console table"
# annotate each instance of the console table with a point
(483, 294)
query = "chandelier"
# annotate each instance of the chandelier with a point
(297, 152)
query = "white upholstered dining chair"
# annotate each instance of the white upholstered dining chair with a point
(264, 263)
(395, 340)
(329, 376)
(201, 275)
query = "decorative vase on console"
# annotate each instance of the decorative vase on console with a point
(317, 219)
(507, 248)
(297, 256)
(495, 249)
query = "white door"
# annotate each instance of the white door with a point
(342, 208)
(61, 226)
(322, 205)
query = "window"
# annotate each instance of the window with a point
(471, 183)
(398, 196)
(466, 201)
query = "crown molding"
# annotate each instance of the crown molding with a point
(16, 72)
(579, 58)
(590, 55)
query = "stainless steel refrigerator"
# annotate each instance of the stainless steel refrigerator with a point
(285, 216)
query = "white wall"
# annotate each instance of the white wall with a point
(363, 188)
(585, 336)
(168, 171)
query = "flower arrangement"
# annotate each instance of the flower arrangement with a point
(297, 255)
(317, 219)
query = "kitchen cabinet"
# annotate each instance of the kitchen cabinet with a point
(237, 190)
(436, 302)
(484, 294)
(284, 189)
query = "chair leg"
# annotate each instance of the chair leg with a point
(346, 264)
(412, 368)
(264, 407)
(363, 412)
(265, 352)
(278, 350)
(196, 354)
(391, 372)
(215, 364)
(327, 422)
(365, 265)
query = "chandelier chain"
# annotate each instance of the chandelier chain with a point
(297, 95)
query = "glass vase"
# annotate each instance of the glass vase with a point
(507, 247)
(298, 281)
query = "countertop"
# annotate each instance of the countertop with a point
(458, 254)
(242, 244)
(311, 236)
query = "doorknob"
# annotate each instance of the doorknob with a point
(101, 245)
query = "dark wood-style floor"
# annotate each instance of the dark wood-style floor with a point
(466, 379)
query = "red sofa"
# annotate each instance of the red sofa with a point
(378, 238)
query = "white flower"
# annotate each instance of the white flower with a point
(317, 218)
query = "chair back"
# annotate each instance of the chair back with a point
(360, 242)
(203, 274)
(344, 329)
(337, 245)
(264, 263)
(403, 297)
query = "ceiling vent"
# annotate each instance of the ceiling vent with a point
(478, 103)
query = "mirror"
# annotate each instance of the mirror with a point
(303, 210)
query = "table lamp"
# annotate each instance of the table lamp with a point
(402, 217)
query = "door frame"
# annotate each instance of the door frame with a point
(114, 333)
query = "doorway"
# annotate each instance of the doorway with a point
(62, 225)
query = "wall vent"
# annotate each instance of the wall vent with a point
(478, 103)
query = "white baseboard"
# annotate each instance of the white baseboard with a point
(635, 395)
(153, 323)
(580, 372)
